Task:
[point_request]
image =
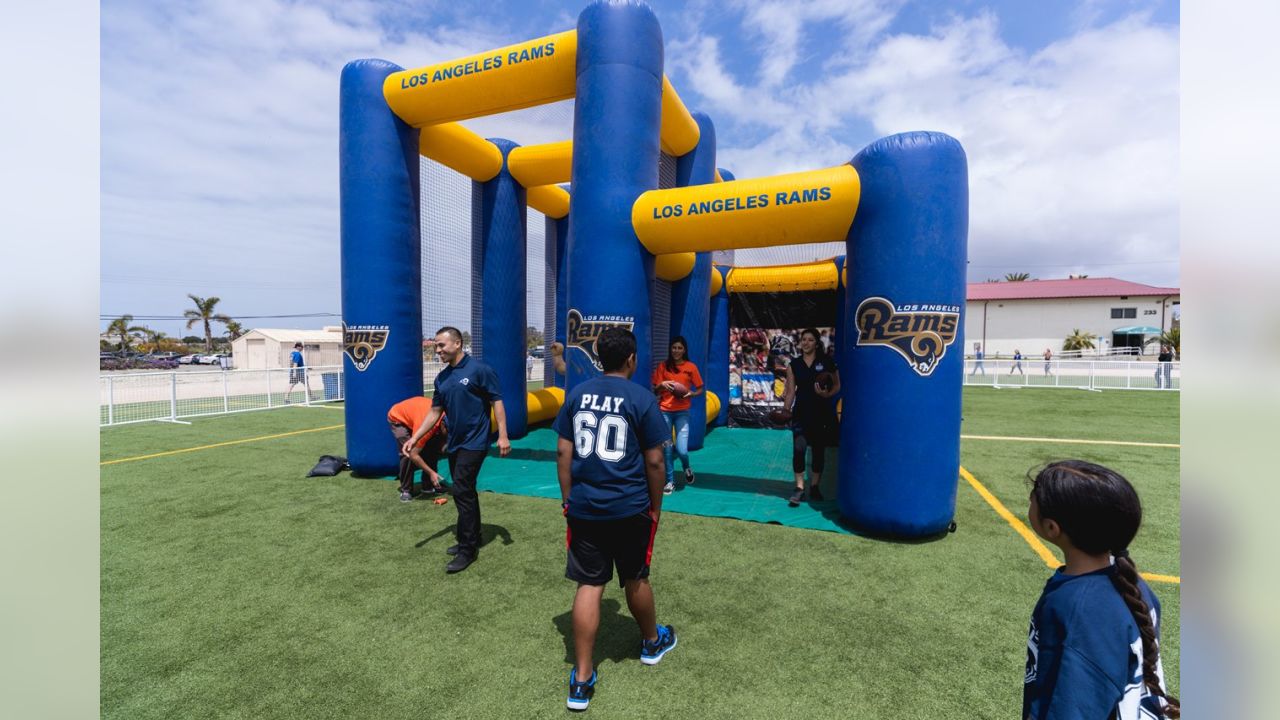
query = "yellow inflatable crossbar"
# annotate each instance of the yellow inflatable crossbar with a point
(456, 147)
(533, 165)
(680, 131)
(806, 207)
(544, 404)
(550, 200)
(717, 281)
(675, 266)
(510, 78)
(820, 275)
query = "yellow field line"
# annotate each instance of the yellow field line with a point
(217, 445)
(1071, 441)
(1044, 552)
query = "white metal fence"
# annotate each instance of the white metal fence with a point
(130, 397)
(1078, 374)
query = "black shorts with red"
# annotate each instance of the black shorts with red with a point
(596, 547)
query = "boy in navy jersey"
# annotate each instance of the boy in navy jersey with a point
(612, 470)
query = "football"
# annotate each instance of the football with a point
(780, 416)
(678, 389)
(826, 381)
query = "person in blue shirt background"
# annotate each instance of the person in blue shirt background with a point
(1093, 650)
(464, 390)
(610, 463)
(297, 370)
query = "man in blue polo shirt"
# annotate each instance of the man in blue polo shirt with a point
(464, 391)
(611, 469)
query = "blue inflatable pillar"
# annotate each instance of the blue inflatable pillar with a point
(561, 301)
(903, 363)
(616, 120)
(498, 248)
(837, 347)
(716, 374)
(381, 261)
(690, 295)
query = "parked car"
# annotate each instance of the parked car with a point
(170, 355)
(188, 360)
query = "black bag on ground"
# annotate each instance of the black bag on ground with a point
(329, 466)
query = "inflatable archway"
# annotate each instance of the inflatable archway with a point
(900, 206)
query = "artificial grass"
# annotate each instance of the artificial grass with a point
(233, 587)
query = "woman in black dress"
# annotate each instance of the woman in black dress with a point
(813, 413)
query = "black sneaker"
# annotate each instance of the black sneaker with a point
(815, 494)
(688, 476)
(459, 563)
(796, 498)
(580, 693)
(652, 652)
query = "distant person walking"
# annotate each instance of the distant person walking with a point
(297, 371)
(465, 389)
(978, 356)
(1165, 367)
(1017, 363)
(528, 367)
(1048, 360)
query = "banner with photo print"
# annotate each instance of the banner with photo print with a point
(764, 336)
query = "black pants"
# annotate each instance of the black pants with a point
(430, 454)
(799, 443)
(464, 468)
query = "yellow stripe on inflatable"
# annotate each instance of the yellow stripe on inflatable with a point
(718, 177)
(819, 275)
(542, 406)
(717, 282)
(510, 78)
(534, 165)
(713, 406)
(805, 207)
(680, 131)
(675, 266)
(550, 200)
(458, 148)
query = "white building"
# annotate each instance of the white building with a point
(263, 348)
(1036, 314)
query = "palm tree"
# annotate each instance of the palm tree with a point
(1078, 340)
(1017, 277)
(1171, 337)
(204, 314)
(155, 338)
(234, 329)
(123, 328)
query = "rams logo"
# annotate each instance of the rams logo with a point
(361, 343)
(920, 333)
(582, 333)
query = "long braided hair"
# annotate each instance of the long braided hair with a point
(1099, 510)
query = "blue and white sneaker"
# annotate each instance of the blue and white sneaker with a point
(580, 692)
(652, 652)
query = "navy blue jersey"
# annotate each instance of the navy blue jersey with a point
(1084, 654)
(611, 421)
(812, 414)
(465, 392)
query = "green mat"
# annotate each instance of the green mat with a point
(740, 473)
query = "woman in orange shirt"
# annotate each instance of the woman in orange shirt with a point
(675, 406)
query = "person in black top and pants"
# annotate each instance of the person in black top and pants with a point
(813, 416)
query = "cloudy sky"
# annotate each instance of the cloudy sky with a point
(220, 119)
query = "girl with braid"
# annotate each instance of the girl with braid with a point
(1094, 646)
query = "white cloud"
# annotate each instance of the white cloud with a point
(1073, 150)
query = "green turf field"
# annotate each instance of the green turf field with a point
(234, 587)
